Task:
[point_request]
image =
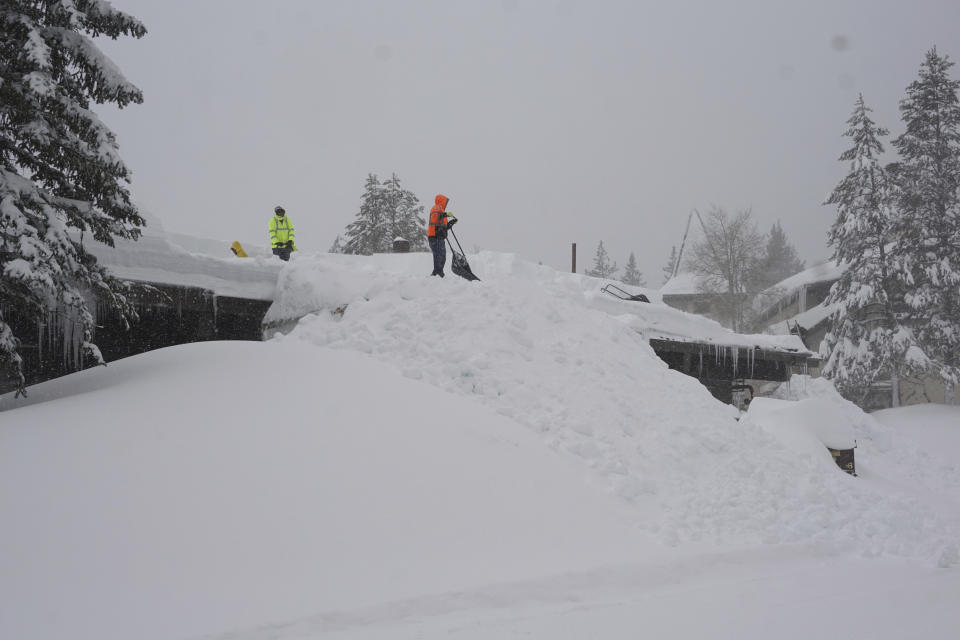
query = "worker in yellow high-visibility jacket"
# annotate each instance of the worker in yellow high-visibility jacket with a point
(281, 234)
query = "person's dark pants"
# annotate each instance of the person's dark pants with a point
(283, 252)
(439, 249)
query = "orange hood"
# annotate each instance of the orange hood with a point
(440, 202)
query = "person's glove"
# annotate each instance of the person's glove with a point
(451, 222)
(290, 244)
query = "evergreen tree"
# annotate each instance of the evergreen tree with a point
(928, 228)
(337, 246)
(671, 265)
(866, 341)
(61, 176)
(405, 214)
(602, 267)
(780, 259)
(631, 274)
(368, 233)
(387, 211)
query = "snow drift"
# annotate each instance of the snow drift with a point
(569, 363)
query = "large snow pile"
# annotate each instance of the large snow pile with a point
(233, 483)
(551, 352)
(416, 467)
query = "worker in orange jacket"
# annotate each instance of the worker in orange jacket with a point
(440, 221)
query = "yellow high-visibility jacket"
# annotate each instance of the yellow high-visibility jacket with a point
(281, 231)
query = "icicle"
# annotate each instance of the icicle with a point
(215, 323)
(74, 345)
(700, 370)
(735, 354)
(40, 327)
(63, 333)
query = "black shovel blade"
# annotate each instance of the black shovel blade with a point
(460, 266)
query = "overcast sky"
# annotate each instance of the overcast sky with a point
(546, 122)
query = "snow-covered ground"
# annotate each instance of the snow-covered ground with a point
(494, 459)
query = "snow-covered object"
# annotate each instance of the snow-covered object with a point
(816, 421)
(856, 353)
(61, 171)
(928, 224)
(177, 259)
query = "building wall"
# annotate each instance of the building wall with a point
(169, 315)
(803, 299)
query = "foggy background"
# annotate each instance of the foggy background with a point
(545, 122)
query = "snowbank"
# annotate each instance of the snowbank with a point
(198, 488)
(550, 351)
(442, 447)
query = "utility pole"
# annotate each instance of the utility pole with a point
(676, 265)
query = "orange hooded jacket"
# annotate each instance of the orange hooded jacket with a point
(438, 216)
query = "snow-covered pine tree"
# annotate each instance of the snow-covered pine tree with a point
(602, 267)
(671, 264)
(405, 213)
(928, 228)
(866, 342)
(337, 246)
(61, 175)
(631, 273)
(369, 232)
(387, 211)
(780, 259)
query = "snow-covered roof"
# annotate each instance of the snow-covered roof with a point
(827, 271)
(684, 283)
(176, 259)
(313, 282)
(807, 319)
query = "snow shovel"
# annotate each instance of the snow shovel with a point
(459, 263)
